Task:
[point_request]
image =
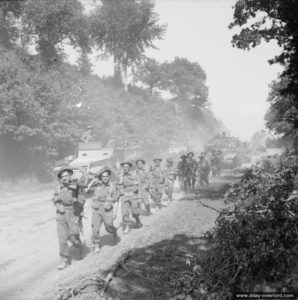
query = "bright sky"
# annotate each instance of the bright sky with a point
(238, 80)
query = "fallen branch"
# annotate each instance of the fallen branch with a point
(211, 207)
(236, 274)
(80, 286)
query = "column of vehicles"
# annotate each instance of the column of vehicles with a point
(91, 156)
(233, 152)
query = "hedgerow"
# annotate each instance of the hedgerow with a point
(255, 240)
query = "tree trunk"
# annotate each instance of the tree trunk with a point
(48, 53)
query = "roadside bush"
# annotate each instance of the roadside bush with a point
(255, 242)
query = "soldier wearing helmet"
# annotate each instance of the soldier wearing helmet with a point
(169, 179)
(143, 178)
(157, 181)
(105, 204)
(69, 207)
(130, 200)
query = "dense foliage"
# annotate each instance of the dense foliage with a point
(282, 116)
(274, 20)
(183, 81)
(46, 104)
(124, 30)
(255, 241)
(45, 112)
(182, 78)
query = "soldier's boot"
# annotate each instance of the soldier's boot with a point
(170, 200)
(116, 236)
(64, 264)
(165, 202)
(76, 241)
(96, 248)
(138, 221)
(148, 210)
(125, 228)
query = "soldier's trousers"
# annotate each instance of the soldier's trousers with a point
(204, 179)
(169, 189)
(156, 192)
(214, 171)
(145, 197)
(129, 205)
(183, 183)
(99, 216)
(193, 180)
(67, 229)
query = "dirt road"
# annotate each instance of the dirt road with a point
(29, 249)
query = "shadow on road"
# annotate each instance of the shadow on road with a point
(156, 271)
(210, 193)
(79, 254)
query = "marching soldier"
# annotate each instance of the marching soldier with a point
(203, 170)
(170, 178)
(69, 205)
(183, 173)
(215, 163)
(143, 178)
(104, 208)
(219, 161)
(129, 202)
(157, 182)
(193, 165)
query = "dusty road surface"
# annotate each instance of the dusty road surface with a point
(29, 248)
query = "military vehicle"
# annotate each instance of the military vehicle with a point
(233, 151)
(89, 159)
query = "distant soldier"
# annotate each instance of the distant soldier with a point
(157, 181)
(69, 205)
(143, 177)
(88, 135)
(183, 173)
(215, 163)
(193, 165)
(203, 170)
(129, 201)
(169, 179)
(104, 208)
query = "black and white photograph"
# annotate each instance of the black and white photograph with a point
(148, 149)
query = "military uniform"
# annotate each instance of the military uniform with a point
(158, 176)
(143, 178)
(66, 199)
(105, 195)
(169, 181)
(215, 165)
(129, 202)
(184, 172)
(193, 165)
(203, 172)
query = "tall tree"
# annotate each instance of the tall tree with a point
(187, 81)
(10, 12)
(84, 63)
(50, 23)
(37, 112)
(273, 20)
(151, 74)
(124, 29)
(283, 113)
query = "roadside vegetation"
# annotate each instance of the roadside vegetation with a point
(47, 104)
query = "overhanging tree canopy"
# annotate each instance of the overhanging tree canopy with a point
(274, 20)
